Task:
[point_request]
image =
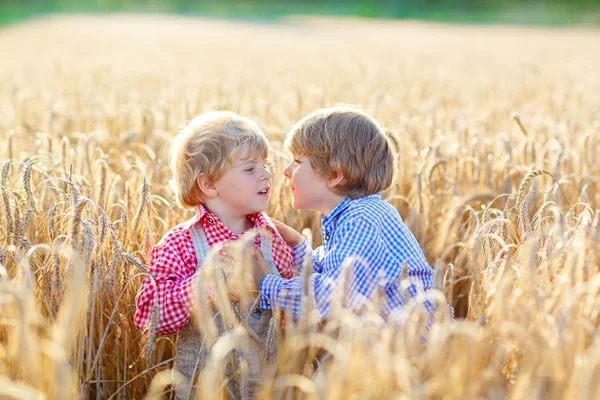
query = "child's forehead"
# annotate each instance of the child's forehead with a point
(292, 153)
(247, 154)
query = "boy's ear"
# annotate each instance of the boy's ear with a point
(206, 186)
(336, 178)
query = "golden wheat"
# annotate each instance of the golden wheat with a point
(506, 206)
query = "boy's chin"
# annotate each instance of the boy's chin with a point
(297, 205)
(258, 210)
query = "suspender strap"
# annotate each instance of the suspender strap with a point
(200, 243)
(266, 248)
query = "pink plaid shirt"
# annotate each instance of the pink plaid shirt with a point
(174, 263)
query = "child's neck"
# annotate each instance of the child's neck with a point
(330, 204)
(237, 224)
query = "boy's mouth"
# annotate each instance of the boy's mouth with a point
(264, 192)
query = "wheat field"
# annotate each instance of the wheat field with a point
(497, 131)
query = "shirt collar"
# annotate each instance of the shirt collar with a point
(260, 220)
(200, 213)
(328, 220)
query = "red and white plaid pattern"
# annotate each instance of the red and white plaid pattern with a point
(173, 266)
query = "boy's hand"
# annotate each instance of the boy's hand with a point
(290, 235)
(238, 281)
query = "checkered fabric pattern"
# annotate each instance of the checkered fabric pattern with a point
(173, 266)
(366, 238)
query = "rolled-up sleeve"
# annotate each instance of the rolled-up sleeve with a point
(172, 285)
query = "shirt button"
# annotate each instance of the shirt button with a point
(327, 237)
(212, 221)
(268, 303)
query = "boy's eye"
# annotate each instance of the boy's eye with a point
(297, 161)
(249, 169)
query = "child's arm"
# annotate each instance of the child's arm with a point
(300, 247)
(305, 255)
(174, 285)
(359, 243)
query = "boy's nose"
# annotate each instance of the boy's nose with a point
(268, 174)
(286, 171)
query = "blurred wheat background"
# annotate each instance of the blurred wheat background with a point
(498, 135)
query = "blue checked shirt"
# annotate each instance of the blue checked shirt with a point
(366, 246)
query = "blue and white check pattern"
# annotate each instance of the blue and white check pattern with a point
(367, 236)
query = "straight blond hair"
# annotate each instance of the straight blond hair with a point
(345, 139)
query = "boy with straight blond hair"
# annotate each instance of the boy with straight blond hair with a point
(219, 169)
(341, 162)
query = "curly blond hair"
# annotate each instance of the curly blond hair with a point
(206, 147)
